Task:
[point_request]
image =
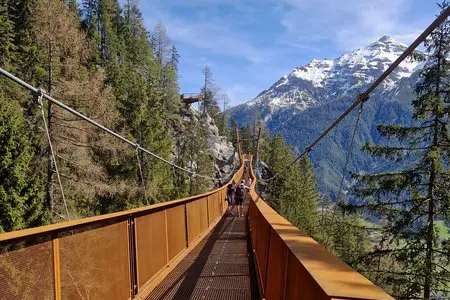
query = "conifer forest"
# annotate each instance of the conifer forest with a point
(99, 58)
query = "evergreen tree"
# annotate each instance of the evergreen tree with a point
(247, 139)
(232, 133)
(209, 104)
(412, 196)
(60, 44)
(300, 198)
(7, 33)
(142, 106)
(21, 195)
(193, 154)
(293, 193)
(276, 163)
(102, 62)
(166, 69)
(222, 124)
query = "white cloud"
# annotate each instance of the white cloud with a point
(226, 35)
(214, 34)
(240, 92)
(347, 24)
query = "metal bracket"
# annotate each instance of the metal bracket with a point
(40, 95)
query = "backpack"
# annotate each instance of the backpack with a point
(240, 191)
(229, 189)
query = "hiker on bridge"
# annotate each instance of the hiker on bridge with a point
(240, 196)
(229, 198)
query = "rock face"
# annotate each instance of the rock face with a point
(222, 150)
(301, 104)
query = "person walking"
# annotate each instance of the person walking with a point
(230, 191)
(240, 195)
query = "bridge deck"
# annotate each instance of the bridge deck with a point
(219, 267)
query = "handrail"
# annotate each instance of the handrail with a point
(23, 233)
(113, 256)
(292, 265)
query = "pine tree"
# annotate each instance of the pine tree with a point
(7, 33)
(209, 104)
(21, 195)
(57, 36)
(300, 197)
(141, 104)
(247, 139)
(166, 59)
(193, 154)
(222, 124)
(412, 196)
(276, 163)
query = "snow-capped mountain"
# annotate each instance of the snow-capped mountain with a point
(305, 101)
(324, 80)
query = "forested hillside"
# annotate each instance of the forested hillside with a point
(100, 59)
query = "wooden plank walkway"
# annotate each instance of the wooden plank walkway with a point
(219, 267)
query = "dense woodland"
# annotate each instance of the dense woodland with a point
(99, 58)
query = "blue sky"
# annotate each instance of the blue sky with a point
(249, 44)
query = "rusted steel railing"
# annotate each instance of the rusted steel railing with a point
(291, 265)
(115, 256)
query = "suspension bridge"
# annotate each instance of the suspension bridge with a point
(188, 248)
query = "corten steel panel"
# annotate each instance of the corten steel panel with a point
(262, 247)
(210, 209)
(216, 206)
(27, 273)
(217, 268)
(151, 245)
(276, 268)
(176, 230)
(326, 271)
(222, 201)
(203, 213)
(193, 215)
(299, 283)
(95, 262)
(253, 223)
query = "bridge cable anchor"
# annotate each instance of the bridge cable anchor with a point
(39, 97)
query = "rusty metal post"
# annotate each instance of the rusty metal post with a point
(132, 252)
(267, 261)
(207, 210)
(257, 148)
(186, 226)
(238, 143)
(56, 267)
(167, 237)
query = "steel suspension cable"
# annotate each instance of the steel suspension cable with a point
(365, 95)
(98, 125)
(41, 105)
(344, 170)
(349, 152)
(144, 189)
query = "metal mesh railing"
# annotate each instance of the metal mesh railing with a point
(26, 270)
(291, 265)
(114, 256)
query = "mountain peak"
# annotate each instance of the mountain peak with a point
(386, 43)
(387, 39)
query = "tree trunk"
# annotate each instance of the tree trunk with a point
(50, 167)
(431, 184)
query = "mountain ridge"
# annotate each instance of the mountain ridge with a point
(323, 89)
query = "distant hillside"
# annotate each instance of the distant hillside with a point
(304, 102)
